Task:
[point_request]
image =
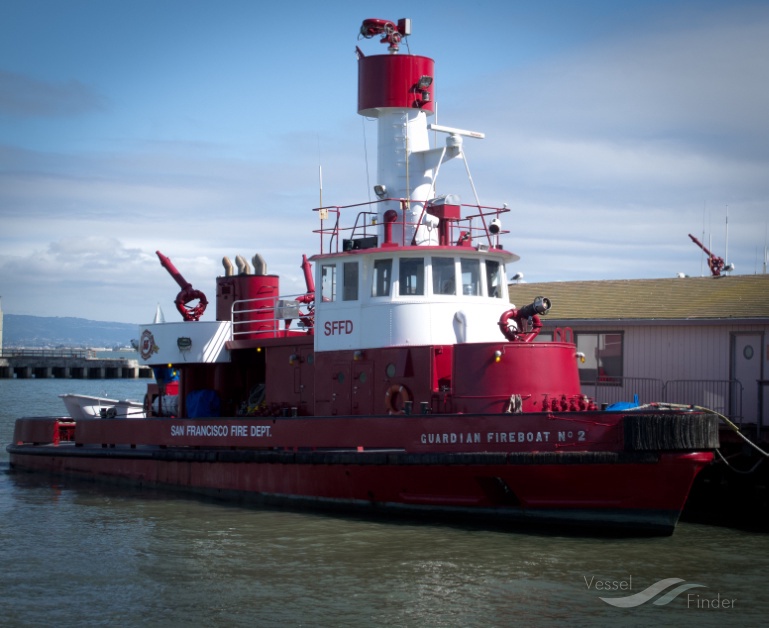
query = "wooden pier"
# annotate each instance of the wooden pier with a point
(67, 364)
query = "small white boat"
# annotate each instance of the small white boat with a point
(90, 407)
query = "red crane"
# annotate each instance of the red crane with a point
(715, 263)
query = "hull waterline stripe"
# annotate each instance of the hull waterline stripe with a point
(338, 457)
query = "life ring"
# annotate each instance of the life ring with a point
(394, 392)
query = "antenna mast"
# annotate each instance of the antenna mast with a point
(726, 248)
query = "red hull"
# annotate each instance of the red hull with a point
(601, 484)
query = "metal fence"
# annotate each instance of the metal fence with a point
(610, 390)
(10, 352)
(722, 395)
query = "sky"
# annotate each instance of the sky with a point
(197, 128)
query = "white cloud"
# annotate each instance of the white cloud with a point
(609, 155)
(637, 140)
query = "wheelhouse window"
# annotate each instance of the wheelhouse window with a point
(411, 276)
(603, 357)
(444, 275)
(350, 281)
(471, 277)
(382, 278)
(328, 282)
(495, 279)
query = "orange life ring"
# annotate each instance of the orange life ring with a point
(394, 392)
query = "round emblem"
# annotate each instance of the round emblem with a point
(748, 352)
(147, 345)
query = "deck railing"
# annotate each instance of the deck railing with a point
(269, 317)
(334, 235)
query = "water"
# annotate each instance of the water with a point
(81, 554)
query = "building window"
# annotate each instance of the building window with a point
(444, 275)
(328, 282)
(350, 280)
(603, 357)
(471, 277)
(383, 270)
(411, 276)
(495, 279)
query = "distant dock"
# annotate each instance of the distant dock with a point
(67, 364)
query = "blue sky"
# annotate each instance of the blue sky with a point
(613, 129)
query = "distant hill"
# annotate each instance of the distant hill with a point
(53, 331)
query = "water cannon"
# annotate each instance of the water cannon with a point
(187, 295)
(540, 306)
(523, 324)
(391, 33)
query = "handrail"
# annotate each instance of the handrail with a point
(365, 223)
(245, 314)
(330, 236)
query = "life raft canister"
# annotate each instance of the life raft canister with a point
(393, 394)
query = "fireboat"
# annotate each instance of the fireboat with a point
(401, 382)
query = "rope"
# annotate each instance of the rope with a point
(736, 470)
(735, 428)
(515, 404)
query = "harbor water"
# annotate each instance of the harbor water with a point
(87, 554)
